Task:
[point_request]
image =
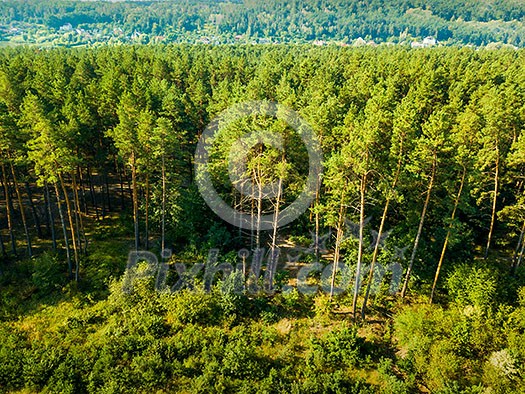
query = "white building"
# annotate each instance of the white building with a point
(429, 42)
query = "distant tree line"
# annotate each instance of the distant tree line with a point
(477, 23)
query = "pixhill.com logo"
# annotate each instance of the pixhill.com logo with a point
(251, 278)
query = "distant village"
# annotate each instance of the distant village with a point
(70, 36)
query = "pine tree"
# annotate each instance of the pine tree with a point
(425, 161)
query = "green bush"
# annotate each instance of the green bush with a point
(331, 383)
(48, 273)
(192, 307)
(323, 306)
(12, 357)
(473, 286)
(41, 360)
(340, 347)
(240, 356)
(390, 383)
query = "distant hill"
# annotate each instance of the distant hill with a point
(72, 23)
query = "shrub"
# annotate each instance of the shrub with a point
(48, 273)
(323, 307)
(240, 357)
(41, 360)
(331, 383)
(390, 383)
(416, 328)
(340, 347)
(521, 296)
(473, 286)
(192, 307)
(12, 358)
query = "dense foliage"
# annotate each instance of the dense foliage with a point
(80, 23)
(199, 342)
(97, 159)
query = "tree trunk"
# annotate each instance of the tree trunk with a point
(259, 214)
(146, 230)
(2, 248)
(22, 211)
(452, 217)
(71, 224)
(338, 239)
(83, 192)
(357, 285)
(51, 218)
(129, 181)
(135, 200)
(106, 185)
(121, 180)
(163, 216)
(379, 234)
(64, 230)
(237, 208)
(257, 177)
(420, 228)
(494, 202)
(520, 256)
(78, 216)
(374, 258)
(317, 222)
(47, 219)
(34, 213)
(100, 184)
(92, 192)
(252, 220)
(273, 254)
(516, 254)
(9, 211)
